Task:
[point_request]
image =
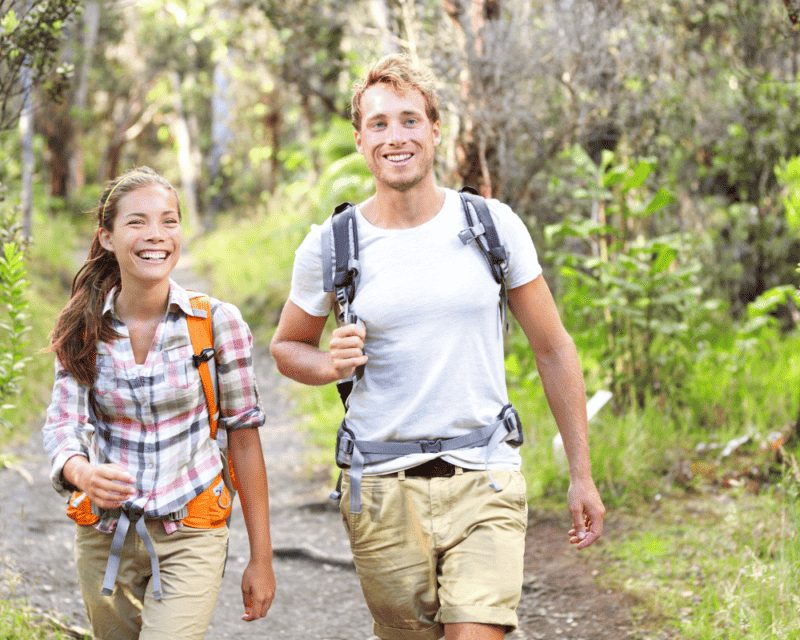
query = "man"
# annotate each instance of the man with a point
(437, 535)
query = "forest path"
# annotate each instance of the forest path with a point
(318, 595)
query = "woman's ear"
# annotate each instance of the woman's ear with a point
(105, 240)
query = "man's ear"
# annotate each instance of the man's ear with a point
(105, 240)
(357, 136)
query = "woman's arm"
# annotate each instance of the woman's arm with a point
(258, 579)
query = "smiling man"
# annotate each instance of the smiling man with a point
(437, 519)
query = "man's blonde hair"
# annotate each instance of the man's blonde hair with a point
(402, 74)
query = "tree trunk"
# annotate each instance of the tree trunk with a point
(476, 150)
(26, 135)
(221, 137)
(180, 130)
(91, 26)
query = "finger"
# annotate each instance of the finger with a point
(248, 608)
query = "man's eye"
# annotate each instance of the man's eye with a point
(411, 121)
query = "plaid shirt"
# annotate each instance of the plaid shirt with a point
(159, 423)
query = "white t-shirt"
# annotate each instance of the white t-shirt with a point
(433, 331)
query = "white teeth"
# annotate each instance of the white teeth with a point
(399, 157)
(153, 255)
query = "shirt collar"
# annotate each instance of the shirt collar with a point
(178, 296)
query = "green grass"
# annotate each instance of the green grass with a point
(22, 623)
(714, 565)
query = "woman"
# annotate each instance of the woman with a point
(128, 426)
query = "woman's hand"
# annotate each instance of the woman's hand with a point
(106, 485)
(258, 589)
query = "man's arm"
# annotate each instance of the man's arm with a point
(295, 348)
(557, 361)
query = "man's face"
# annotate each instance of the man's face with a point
(396, 138)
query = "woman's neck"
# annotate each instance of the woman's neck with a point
(142, 304)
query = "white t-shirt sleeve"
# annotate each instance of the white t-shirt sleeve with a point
(523, 261)
(306, 290)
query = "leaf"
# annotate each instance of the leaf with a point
(666, 256)
(659, 201)
(769, 300)
(614, 176)
(10, 21)
(639, 175)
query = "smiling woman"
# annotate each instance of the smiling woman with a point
(129, 429)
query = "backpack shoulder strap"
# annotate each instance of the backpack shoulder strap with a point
(340, 266)
(201, 331)
(484, 233)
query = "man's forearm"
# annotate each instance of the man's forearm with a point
(303, 362)
(562, 380)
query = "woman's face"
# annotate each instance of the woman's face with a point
(146, 239)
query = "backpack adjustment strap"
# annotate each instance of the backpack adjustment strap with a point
(133, 515)
(471, 233)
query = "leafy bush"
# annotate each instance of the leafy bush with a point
(632, 300)
(14, 327)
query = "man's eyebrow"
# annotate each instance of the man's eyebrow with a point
(404, 112)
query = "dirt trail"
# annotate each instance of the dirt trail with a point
(318, 593)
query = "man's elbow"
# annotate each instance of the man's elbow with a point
(277, 349)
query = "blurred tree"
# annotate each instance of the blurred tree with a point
(31, 35)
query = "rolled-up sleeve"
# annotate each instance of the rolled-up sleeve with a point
(239, 402)
(67, 431)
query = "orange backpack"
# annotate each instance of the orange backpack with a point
(212, 508)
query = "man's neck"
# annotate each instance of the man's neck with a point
(393, 209)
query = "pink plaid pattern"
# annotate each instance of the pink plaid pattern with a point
(158, 428)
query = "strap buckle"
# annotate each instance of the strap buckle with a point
(514, 425)
(471, 233)
(430, 446)
(346, 445)
(204, 356)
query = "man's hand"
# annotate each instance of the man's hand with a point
(258, 590)
(347, 349)
(587, 512)
(106, 485)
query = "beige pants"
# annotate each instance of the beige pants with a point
(190, 564)
(437, 551)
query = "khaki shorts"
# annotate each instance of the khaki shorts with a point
(190, 564)
(437, 551)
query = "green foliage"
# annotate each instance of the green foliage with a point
(788, 174)
(13, 328)
(754, 250)
(631, 299)
(31, 35)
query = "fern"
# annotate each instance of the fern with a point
(13, 326)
